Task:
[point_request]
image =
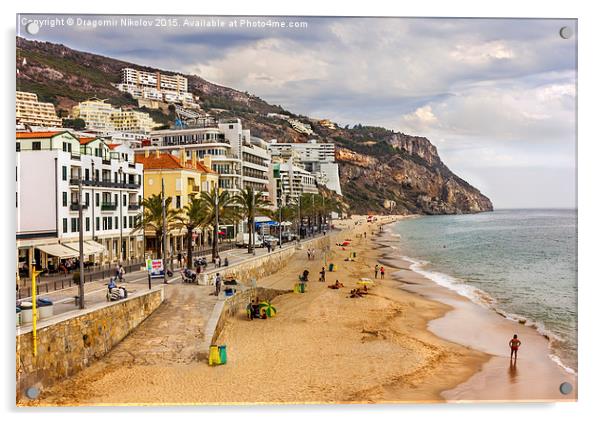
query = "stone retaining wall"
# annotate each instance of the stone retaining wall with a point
(71, 343)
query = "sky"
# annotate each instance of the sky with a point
(497, 97)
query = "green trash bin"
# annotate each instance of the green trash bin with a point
(223, 355)
(301, 287)
(331, 267)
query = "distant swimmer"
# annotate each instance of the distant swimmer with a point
(514, 344)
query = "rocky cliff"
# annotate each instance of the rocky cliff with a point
(376, 164)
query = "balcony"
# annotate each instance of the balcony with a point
(194, 188)
(133, 206)
(108, 206)
(75, 206)
(107, 183)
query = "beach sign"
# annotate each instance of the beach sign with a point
(154, 267)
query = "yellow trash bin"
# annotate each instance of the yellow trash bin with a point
(214, 358)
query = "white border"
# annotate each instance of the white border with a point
(589, 200)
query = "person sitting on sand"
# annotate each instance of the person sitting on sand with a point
(514, 344)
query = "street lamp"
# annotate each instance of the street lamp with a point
(81, 241)
(216, 230)
(164, 230)
(121, 257)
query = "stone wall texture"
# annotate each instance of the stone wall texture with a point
(71, 344)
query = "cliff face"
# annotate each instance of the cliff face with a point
(376, 164)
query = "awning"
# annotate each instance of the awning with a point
(286, 224)
(99, 248)
(58, 250)
(88, 248)
(262, 219)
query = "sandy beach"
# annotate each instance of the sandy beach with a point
(407, 340)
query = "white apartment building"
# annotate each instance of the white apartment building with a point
(294, 181)
(49, 167)
(131, 139)
(253, 153)
(34, 113)
(202, 141)
(155, 85)
(317, 158)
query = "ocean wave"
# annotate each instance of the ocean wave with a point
(483, 299)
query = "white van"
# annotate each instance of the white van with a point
(242, 240)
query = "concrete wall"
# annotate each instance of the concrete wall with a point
(69, 344)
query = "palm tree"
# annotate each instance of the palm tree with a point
(151, 218)
(192, 216)
(218, 206)
(251, 203)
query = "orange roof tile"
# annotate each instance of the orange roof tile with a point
(113, 145)
(169, 161)
(36, 135)
(86, 140)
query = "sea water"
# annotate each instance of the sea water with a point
(521, 263)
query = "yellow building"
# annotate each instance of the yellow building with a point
(34, 113)
(102, 116)
(132, 121)
(96, 113)
(183, 179)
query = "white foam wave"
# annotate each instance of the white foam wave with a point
(483, 299)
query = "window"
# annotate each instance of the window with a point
(97, 223)
(110, 222)
(87, 172)
(74, 225)
(178, 202)
(116, 222)
(64, 169)
(125, 200)
(87, 202)
(64, 198)
(36, 146)
(131, 218)
(105, 224)
(125, 222)
(116, 198)
(97, 199)
(65, 225)
(18, 147)
(87, 224)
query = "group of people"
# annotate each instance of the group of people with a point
(254, 310)
(115, 292)
(379, 269)
(311, 254)
(119, 272)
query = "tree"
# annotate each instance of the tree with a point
(76, 123)
(194, 215)
(251, 203)
(151, 218)
(221, 204)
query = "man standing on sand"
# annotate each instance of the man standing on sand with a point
(375, 271)
(218, 284)
(514, 344)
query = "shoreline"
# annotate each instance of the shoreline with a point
(489, 381)
(391, 346)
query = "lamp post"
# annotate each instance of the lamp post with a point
(299, 214)
(121, 257)
(216, 230)
(80, 210)
(280, 220)
(164, 228)
(93, 204)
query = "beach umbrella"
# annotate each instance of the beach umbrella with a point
(346, 243)
(365, 281)
(268, 308)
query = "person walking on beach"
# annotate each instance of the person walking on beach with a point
(375, 271)
(308, 254)
(382, 272)
(514, 344)
(323, 275)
